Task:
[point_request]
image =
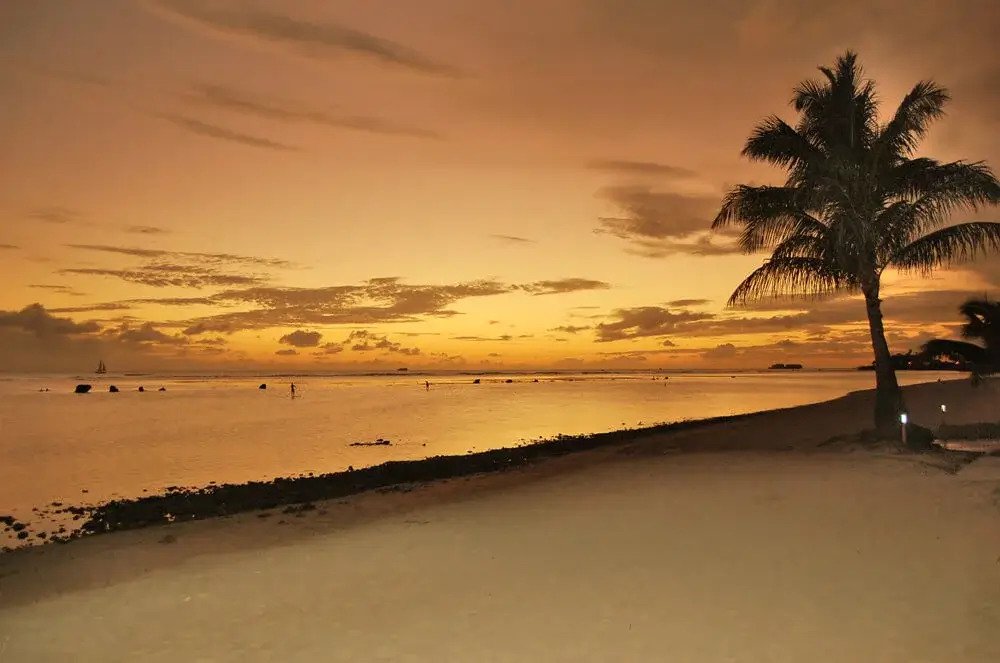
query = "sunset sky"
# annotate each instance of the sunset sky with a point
(446, 183)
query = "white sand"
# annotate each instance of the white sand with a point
(609, 556)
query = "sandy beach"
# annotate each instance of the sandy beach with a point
(743, 541)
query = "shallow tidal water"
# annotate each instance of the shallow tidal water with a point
(57, 446)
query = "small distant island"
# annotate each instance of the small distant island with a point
(785, 367)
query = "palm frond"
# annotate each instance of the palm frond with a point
(775, 142)
(983, 321)
(802, 246)
(954, 349)
(943, 187)
(780, 277)
(768, 214)
(950, 245)
(921, 106)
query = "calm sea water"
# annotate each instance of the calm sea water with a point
(60, 446)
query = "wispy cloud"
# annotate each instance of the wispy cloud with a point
(646, 321)
(9, 247)
(639, 168)
(324, 40)
(146, 230)
(684, 303)
(222, 133)
(191, 255)
(227, 98)
(561, 286)
(162, 275)
(66, 75)
(661, 223)
(61, 289)
(54, 214)
(513, 239)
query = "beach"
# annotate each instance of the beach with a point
(750, 540)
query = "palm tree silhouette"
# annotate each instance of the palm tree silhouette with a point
(855, 202)
(982, 323)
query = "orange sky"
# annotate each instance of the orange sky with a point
(337, 185)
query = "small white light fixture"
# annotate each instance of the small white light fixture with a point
(944, 408)
(903, 418)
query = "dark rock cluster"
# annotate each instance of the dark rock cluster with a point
(377, 443)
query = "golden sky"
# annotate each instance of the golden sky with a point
(446, 183)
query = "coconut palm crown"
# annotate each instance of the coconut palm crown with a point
(856, 201)
(982, 323)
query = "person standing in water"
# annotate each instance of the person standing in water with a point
(427, 385)
(293, 390)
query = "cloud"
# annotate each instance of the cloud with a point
(329, 349)
(54, 214)
(513, 239)
(222, 133)
(9, 246)
(684, 303)
(374, 301)
(61, 289)
(227, 98)
(187, 269)
(662, 223)
(502, 337)
(639, 168)
(561, 286)
(147, 333)
(312, 39)
(302, 339)
(34, 339)
(146, 230)
(187, 255)
(569, 329)
(106, 306)
(645, 321)
(67, 75)
(721, 351)
(168, 275)
(287, 352)
(362, 340)
(36, 320)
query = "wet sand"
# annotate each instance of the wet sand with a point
(769, 548)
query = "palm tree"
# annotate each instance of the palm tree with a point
(855, 202)
(983, 323)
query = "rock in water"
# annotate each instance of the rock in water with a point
(142, 389)
(82, 389)
(162, 389)
(262, 386)
(113, 389)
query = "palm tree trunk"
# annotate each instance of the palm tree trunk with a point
(888, 397)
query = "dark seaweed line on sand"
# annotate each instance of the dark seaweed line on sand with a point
(228, 499)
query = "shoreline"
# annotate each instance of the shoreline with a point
(184, 504)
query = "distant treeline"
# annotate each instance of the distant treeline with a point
(919, 361)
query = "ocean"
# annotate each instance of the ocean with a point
(57, 446)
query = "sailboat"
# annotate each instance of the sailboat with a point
(101, 368)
